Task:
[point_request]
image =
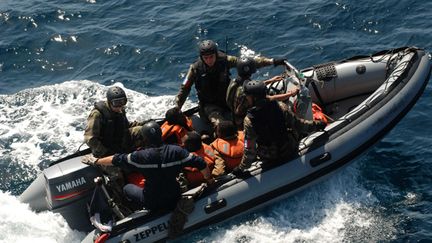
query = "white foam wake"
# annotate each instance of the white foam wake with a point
(47, 123)
(19, 224)
(336, 210)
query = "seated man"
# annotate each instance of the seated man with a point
(136, 139)
(270, 129)
(229, 146)
(107, 127)
(175, 127)
(192, 142)
(160, 164)
(108, 131)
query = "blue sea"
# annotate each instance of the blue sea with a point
(58, 57)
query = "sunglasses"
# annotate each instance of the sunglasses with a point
(119, 102)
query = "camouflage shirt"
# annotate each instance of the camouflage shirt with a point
(236, 100)
(103, 144)
(193, 75)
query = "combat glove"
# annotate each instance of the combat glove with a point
(278, 62)
(239, 173)
(320, 125)
(210, 181)
(89, 159)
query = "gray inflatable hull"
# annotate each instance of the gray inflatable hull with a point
(366, 96)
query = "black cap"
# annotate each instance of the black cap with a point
(116, 96)
(255, 88)
(151, 133)
(207, 47)
(246, 67)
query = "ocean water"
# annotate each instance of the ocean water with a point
(58, 57)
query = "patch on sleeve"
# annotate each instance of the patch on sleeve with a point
(246, 144)
(186, 82)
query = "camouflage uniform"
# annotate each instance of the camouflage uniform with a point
(108, 132)
(135, 137)
(270, 133)
(211, 84)
(236, 100)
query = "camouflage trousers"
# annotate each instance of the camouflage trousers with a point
(215, 114)
(277, 152)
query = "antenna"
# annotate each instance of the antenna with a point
(226, 45)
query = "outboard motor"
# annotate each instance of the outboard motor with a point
(302, 103)
(64, 188)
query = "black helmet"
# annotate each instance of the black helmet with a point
(207, 47)
(255, 88)
(246, 67)
(116, 96)
(151, 133)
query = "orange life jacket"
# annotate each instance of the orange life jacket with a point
(178, 131)
(240, 136)
(318, 115)
(193, 175)
(136, 178)
(230, 150)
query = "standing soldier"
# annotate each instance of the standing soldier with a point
(236, 99)
(211, 76)
(270, 129)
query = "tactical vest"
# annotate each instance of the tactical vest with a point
(172, 134)
(113, 127)
(230, 150)
(268, 122)
(234, 85)
(193, 175)
(212, 83)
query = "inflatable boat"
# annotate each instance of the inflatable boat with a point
(363, 96)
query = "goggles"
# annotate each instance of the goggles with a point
(208, 55)
(119, 102)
